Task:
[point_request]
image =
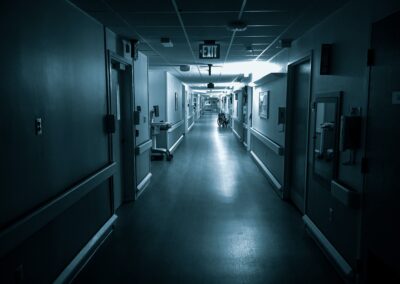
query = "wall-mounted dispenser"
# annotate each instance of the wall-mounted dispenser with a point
(350, 132)
(326, 59)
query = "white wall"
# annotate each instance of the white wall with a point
(277, 98)
(157, 92)
(174, 86)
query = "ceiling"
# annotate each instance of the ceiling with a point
(188, 23)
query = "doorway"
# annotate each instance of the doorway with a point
(298, 112)
(184, 110)
(121, 99)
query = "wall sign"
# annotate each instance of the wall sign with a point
(209, 51)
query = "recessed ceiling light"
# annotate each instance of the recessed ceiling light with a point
(166, 42)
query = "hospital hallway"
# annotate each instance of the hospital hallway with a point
(183, 141)
(217, 221)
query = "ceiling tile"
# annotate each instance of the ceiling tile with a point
(141, 5)
(209, 5)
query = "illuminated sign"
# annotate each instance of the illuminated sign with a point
(209, 51)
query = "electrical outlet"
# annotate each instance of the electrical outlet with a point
(38, 126)
(330, 214)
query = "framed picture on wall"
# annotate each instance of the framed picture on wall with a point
(263, 105)
(176, 101)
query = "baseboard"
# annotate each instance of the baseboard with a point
(176, 144)
(270, 177)
(297, 200)
(143, 185)
(237, 134)
(333, 255)
(190, 127)
(86, 253)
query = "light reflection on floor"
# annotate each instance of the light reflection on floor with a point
(226, 182)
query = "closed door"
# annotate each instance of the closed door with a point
(123, 139)
(117, 137)
(299, 109)
(382, 191)
(142, 128)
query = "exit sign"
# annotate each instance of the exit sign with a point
(209, 51)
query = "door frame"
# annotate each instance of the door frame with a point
(289, 131)
(127, 126)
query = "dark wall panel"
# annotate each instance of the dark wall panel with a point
(53, 69)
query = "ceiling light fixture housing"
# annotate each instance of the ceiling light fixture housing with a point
(284, 43)
(184, 68)
(166, 42)
(237, 26)
(249, 49)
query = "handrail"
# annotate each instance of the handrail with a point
(16, 233)
(275, 147)
(175, 126)
(141, 148)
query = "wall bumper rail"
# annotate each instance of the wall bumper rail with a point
(145, 146)
(86, 253)
(16, 233)
(143, 185)
(191, 126)
(175, 126)
(271, 178)
(333, 255)
(275, 147)
(176, 144)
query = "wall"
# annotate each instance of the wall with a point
(268, 127)
(277, 98)
(350, 37)
(157, 92)
(162, 89)
(56, 71)
(174, 115)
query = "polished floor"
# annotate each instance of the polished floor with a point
(209, 216)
